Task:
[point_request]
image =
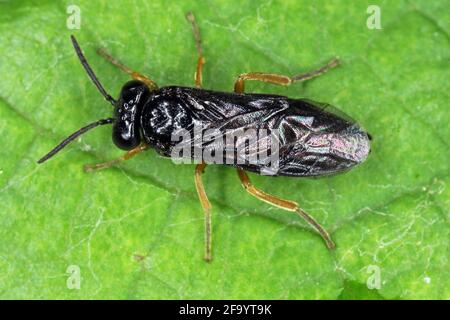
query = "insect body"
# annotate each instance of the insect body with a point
(311, 139)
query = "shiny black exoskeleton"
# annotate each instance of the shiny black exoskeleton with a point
(314, 138)
(267, 134)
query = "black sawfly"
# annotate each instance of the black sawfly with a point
(313, 139)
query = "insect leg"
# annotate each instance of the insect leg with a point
(199, 169)
(135, 75)
(284, 204)
(198, 43)
(108, 164)
(315, 73)
(280, 79)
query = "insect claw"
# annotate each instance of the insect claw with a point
(330, 244)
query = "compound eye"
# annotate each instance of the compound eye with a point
(134, 90)
(125, 135)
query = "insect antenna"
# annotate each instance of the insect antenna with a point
(90, 72)
(73, 136)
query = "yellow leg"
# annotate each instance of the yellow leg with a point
(285, 205)
(135, 75)
(126, 156)
(206, 205)
(198, 43)
(281, 80)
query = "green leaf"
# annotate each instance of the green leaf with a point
(136, 231)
